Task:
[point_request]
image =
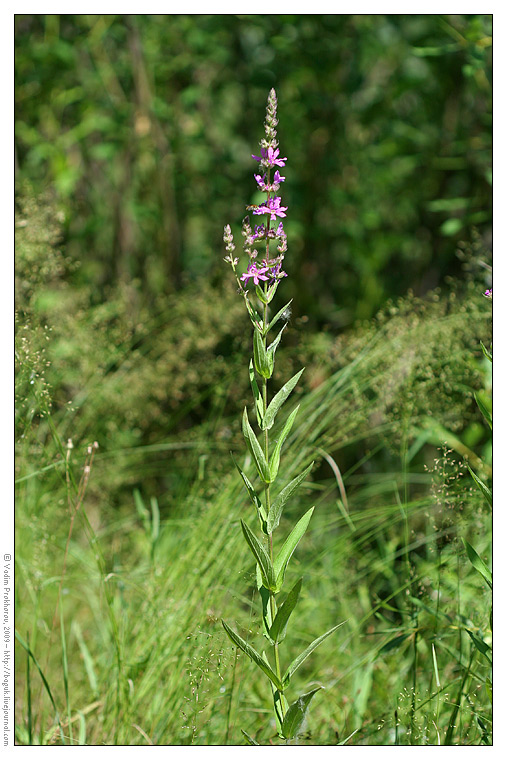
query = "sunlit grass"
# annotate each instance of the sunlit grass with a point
(129, 639)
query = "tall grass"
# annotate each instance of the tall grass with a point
(124, 645)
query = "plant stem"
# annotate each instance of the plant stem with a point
(268, 505)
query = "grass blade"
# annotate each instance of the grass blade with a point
(478, 564)
(44, 681)
(485, 490)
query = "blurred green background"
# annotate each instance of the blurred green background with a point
(134, 137)
(144, 126)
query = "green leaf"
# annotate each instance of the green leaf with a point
(260, 295)
(344, 741)
(254, 317)
(271, 349)
(302, 657)
(296, 714)
(484, 410)
(255, 450)
(254, 656)
(486, 353)
(27, 649)
(288, 548)
(155, 519)
(259, 405)
(274, 462)
(266, 606)
(478, 564)
(261, 555)
(485, 490)
(278, 400)
(281, 706)
(480, 645)
(277, 506)
(249, 739)
(277, 316)
(279, 626)
(272, 290)
(260, 356)
(254, 498)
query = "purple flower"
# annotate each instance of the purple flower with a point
(277, 178)
(272, 206)
(269, 157)
(488, 293)
(277, 272)
(256, 273)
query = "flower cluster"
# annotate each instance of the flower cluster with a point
(270, 269)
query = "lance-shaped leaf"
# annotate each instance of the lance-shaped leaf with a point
(279, 626)
(484, 410)
(287, 550)
(272, 349)
(485, 490)
(274, 462)
(278, 400)
(254, 317)
(255, 449)
(261, 555)
(272, 290)
(480, 645)
(260, 355)
(259, 405)
(254, 656)
(276, 508)
(254, 498)
(260, 295)
(266, 606)
(478, 564)
(296, 714)
(277, 317)
(250, 739)
(281, 706)
(302, 657)
(485, 351)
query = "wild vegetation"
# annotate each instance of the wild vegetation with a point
(133, 135)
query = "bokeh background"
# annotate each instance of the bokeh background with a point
(134, 137)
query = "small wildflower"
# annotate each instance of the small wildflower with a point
(272, 206)
(256, 273)
(269, 157)
(488, 293)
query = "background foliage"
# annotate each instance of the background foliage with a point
(133, 144)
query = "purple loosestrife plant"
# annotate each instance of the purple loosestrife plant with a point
(262, 278)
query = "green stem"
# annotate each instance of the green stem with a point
(268, 506)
